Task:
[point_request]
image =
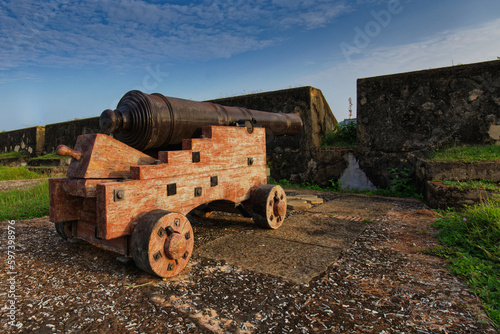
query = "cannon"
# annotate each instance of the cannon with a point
(131, 193)
(153, 121)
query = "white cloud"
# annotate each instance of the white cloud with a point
(447, 48)
(444, 49)
(61, 32)
(317, 15)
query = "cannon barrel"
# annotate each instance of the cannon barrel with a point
(153, 121)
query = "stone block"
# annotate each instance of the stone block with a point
(312, 199)
(441, 196)
(298, 204)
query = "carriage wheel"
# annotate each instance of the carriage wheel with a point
(269, 206)
(162, 243)
(65, 230)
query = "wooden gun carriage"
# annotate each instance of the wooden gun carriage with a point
(132, 195)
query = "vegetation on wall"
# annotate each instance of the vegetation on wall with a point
(52, 155)
(472, 184)
(342, 135)
(12, 155)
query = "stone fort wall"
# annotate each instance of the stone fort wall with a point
(407, 116)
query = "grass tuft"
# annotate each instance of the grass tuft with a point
(471, 242)
(25, 204)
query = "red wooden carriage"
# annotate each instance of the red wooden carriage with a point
(119, 198)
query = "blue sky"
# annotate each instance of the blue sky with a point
(62, 59)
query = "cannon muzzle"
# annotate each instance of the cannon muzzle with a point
(153, 121)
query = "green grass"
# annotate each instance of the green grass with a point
(25, 204)
(471, 243)
(17, 173)
(468, 154)
(473, 184)
(12, 155)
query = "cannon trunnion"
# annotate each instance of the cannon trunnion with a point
(121, 199)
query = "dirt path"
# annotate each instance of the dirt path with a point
(381, 283)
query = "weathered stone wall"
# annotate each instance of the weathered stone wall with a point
(29, 140)
(292, 157)
(40, 140)
(338, 164)
(66, 132)
(405, 116)
(430, 174)
(329, 164)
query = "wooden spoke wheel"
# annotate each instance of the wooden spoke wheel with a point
(162, 243)
(269, 206)
(65, 230)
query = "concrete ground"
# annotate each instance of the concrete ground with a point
(299, 250)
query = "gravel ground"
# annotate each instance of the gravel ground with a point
(383, 283)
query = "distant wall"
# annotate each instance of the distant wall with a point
(292, 157)
(40, 140)
(66, 132)
(405, 116)
(29, 140)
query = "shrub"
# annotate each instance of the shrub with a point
(342, 135)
